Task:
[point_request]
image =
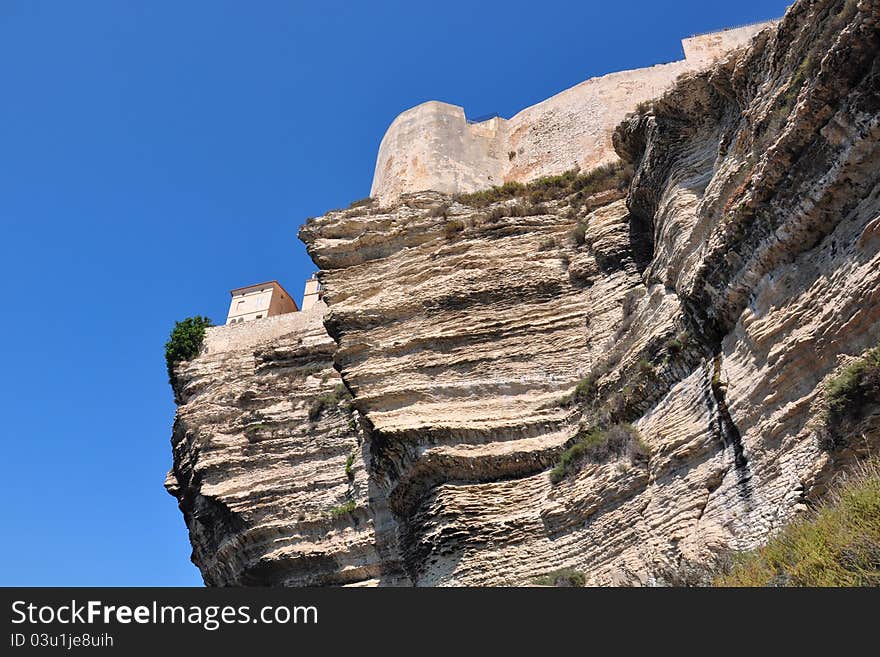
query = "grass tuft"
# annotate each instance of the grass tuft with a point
(599, 446)
(562, 577)
(342, 510)
(859, 380)
(838, 545)
(452, 228)
(550, 188)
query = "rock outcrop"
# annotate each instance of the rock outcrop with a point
(268, 465)
(706, 303)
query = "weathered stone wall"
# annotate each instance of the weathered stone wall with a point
(432, 146)
(703, 49)
(233, 337)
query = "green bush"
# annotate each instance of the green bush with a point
(547, 244)
(309, 369)
(329, 401)
(360, 203)
(674, 346)
(342, 510)
(319, 405)
(646, 368)
(349, 466)
(185, 342)
(550, 188)
(562, 577)
(837, 545)
(452, 228)
(599, 446)
(583, 391)
(847, 392)
(341, 392)
(644, 107)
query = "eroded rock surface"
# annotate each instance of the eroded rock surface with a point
(273, 493)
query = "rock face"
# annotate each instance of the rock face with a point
(273, 492)
(707, 304)
(434, 147)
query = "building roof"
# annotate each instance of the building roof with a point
(246, 288)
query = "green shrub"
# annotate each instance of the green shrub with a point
(646, 368)
(562, 577)
(583, 391)
(320, 404)
(837, 545)
(487, 197)
(644, 107)
(342, 510)
(550, 188)
(579, 234)
(599, 446)
(674, 346)
(185, 342)
(329, 401)
(547, 244)
(310, 368)
(360, 203)
(452, 228)
(349, 466)
(859, 381)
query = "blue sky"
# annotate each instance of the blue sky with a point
(154, 155)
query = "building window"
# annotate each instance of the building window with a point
(258, 317)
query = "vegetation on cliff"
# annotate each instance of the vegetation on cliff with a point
(565, 577)
(185, 342)
(848, 393)
(599, 446)
(329, 402)
(839, 545)
(550, 188)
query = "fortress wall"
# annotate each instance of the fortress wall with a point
(703, 49)
(236, 337)
(574, 128)
(432, 146)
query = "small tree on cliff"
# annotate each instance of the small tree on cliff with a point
(185, 342)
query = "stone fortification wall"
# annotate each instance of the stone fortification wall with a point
(432, 146)
(235, 337)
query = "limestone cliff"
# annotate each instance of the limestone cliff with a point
(268, 464)
(706, 302)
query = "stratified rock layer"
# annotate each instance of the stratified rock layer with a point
(708, 304)
(262, 485)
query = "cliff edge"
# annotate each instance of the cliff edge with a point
(624, 372)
